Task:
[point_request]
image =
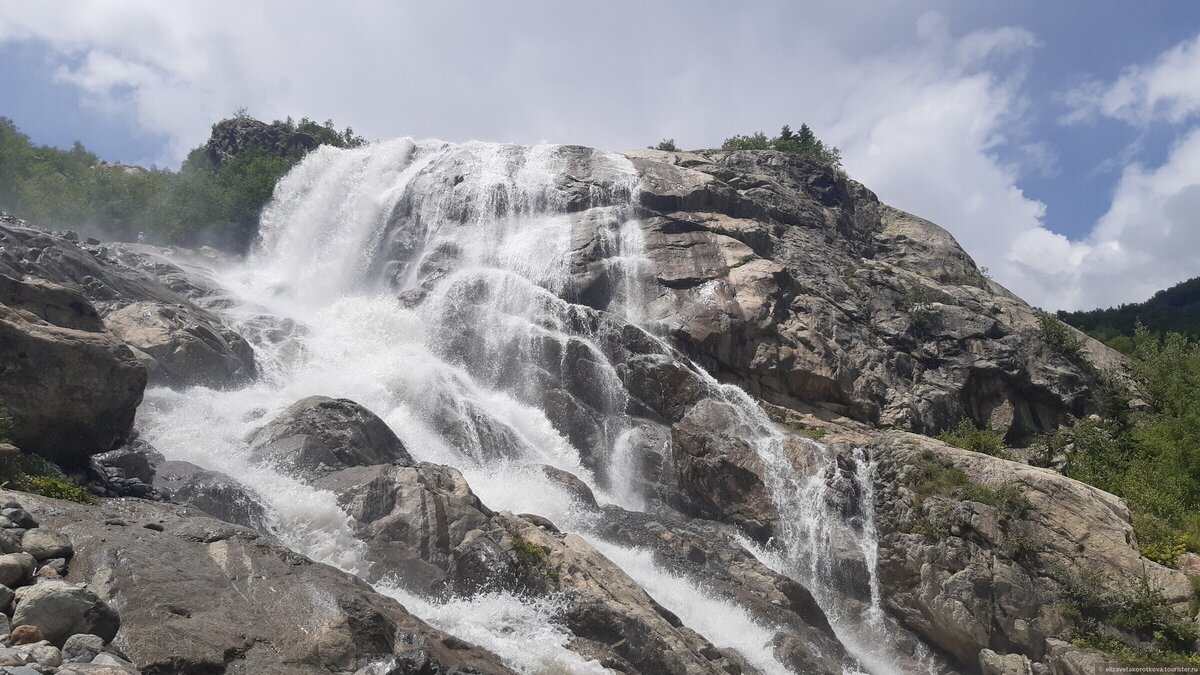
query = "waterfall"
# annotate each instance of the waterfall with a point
(439, 285)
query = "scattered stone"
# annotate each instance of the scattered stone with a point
(109, 659)
(45, 545)
(10, 539)
(16, 568)
(25, 635)
(116, 521)
(19, 517)
(157, 527)
(46, 654)
(62, 609)
(82, 648)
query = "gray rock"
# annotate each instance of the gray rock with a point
(223, 588)
(107, 659)
(20, 518)
(61, 609)
(991, 663)
(43, 544)
(46, 654)
(16, 568)
(571, 483)
(214, 493)
(21, 670)
(320, 434)
(133, 462)
(10, 538)
(182, 345)
(70, 386)
(82, 648)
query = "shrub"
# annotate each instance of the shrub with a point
(1157, 540)
(30, 473)
(976, 439)
(667, 144)
(934, 477)
(1058, 336)
(58, 488)
(1135, 608)
(804, 143)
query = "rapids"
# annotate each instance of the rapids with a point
(436, 284)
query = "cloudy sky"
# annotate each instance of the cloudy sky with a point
(1059, 142)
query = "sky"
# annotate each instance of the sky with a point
(1059, 142)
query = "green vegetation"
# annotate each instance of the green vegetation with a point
(925, 317)
(804, 143)
(976, 439)
(1058, 336)
(935, 477)
(1150, 454)
(667, 144)
(1129, 619)
(30, 473)
(199, 204)
(533, 556)
(6, 425)
(1174, 310)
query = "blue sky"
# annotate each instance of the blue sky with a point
(1059, 142)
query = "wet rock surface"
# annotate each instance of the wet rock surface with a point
(197, 595)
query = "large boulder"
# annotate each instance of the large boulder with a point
(978, 552)
(212, 492)
(69, 385)
(180, 347)
(61, 609)
(197, 595)
(319, 434)
(232, 136)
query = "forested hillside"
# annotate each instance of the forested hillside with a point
(214, 198)
(1176, 309)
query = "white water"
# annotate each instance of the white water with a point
(425, 281)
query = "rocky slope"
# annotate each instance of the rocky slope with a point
(834, 311)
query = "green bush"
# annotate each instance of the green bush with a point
(1134, 608)
(804, 143)
(977, 439)
(1150, 456)
(667, 144)
(1058, 336)
(30, 473)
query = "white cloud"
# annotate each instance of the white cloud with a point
(920, 113)
(1167, 89)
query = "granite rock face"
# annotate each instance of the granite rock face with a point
(197, 595)
(147, 302)
(70, 386)
(797, 283)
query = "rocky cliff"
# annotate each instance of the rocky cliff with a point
(541, 343)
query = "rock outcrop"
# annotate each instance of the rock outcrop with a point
(319, 434)
(146, 303)
(197, 595)
(233, 136)
(70, 386)
(797, 283)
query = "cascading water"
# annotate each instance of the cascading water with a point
(439, 285)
